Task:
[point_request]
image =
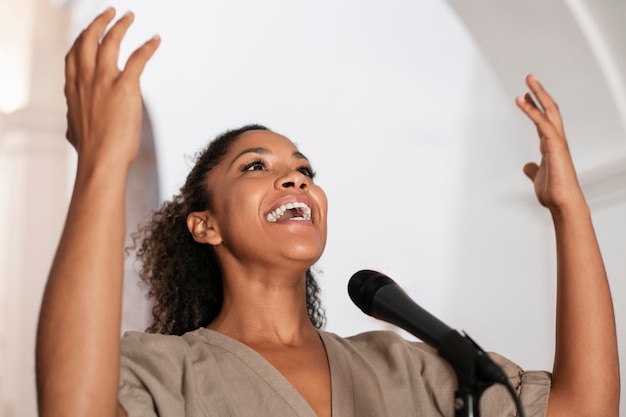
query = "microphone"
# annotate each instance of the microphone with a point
(379, 296)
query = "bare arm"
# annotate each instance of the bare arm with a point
(78, 351)
(586, 370)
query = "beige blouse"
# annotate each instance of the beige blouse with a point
(376, 374)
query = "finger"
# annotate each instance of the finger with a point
(529, 99)
(70, 73)
(138, 59)
(87, 44)
(108, 52)
(545, 127)
(528, 106)
(547, 102)
(530, 169)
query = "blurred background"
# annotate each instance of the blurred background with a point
(406, 110)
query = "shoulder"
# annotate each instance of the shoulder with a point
(161, 372)
(380, 340)
(149, 359)
(381, 364)
(384, 348)
(168, 348)
(154, 341)
(389, 349)
(400, 363)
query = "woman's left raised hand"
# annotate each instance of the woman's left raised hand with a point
(556, 184)
(585, 377)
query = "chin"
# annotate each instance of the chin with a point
(306, 254)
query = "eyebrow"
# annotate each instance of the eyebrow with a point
(264, 151)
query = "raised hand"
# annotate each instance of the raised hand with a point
(585, 377)
(556, 184)
(104, 102)
(78, 347)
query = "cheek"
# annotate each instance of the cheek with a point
(322, 202)
(238, 207)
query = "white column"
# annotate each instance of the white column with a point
(34, 189)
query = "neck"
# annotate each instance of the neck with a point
(267, 307)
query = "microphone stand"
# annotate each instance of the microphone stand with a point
(475, 371)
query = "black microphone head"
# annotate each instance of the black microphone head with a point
(364, 285)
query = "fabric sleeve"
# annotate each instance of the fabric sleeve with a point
(150, 369)
(532, 388)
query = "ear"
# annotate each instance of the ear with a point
(202, 228)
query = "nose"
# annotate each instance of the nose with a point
(293, 179)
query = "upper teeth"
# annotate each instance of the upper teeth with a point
(277, 214)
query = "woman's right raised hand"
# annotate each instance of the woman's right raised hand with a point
(104, 102)
(78, 338)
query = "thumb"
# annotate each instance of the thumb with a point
(530, 169)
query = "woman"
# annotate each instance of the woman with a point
(265, 224)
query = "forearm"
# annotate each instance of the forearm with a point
(79, 328)
(586, 369)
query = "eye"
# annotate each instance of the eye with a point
(307, 171)
(256, 165)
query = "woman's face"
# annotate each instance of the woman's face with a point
(266, 207)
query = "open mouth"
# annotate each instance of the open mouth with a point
(297, 211)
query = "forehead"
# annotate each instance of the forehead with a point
(261, 139)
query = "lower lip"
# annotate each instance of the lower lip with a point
(294, 222)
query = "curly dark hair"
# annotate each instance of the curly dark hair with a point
(183, 276)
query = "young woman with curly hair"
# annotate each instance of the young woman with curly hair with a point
(236, 318)
(184, 276)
